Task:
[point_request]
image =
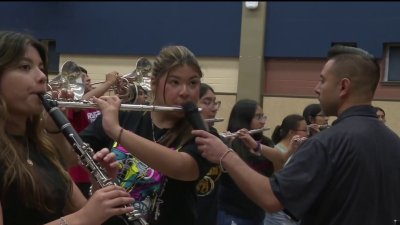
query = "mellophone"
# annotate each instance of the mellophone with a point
(85, 153)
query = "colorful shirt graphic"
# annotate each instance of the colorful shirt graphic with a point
(143, 182)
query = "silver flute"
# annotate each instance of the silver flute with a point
(85, 153)
(84, 104)
(214, 120)
(321, 127)
(225, 135)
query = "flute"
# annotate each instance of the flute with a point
(124, 107)
(214, 120)
(321, 127)
(225, 135)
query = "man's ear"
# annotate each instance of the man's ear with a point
(345, 86)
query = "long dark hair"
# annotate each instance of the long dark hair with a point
(241, 116)
(290, 122)
(13, 164)
(310, 112)
(204, 88)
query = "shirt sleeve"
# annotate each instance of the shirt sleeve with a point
(203, 164)
(300, 183)
(95, 136)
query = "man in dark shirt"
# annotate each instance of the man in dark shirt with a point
(348, 174)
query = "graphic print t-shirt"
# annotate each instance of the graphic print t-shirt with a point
(141, 181)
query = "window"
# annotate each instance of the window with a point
(53, 56)
(392, 63)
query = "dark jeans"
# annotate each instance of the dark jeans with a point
(223, 218)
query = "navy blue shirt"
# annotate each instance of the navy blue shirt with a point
(347, 174)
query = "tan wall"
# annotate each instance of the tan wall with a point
(222, 75)
(276, 108)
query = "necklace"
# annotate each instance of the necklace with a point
(28, 160)
(152, 132)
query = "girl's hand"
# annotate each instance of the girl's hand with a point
(248, 140)
(109, 107)
(108, 161)
(106, 202)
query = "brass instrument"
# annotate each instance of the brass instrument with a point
(127, 86)
(230, 135)
(70, 79)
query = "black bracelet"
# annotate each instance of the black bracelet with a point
(119, 135)
(53, 132)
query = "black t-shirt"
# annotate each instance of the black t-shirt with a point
(15, 210)
(207, 190)
(231, 199)
(347, 174)
(169, 201)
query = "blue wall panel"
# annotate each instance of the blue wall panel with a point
(134, 28)
(294, 29)
(307, 29)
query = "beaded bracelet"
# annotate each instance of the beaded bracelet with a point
(222, 157)
(63, 221)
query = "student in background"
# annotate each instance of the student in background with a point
(315, 118)
(292, 126)
(380, 113)
(208, 186)
(234, 207)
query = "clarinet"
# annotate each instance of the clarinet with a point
(85, 153)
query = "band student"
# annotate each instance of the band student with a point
(234, 207)
(159, 159)
(347, 174)
(35, 187)
(208, 187)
